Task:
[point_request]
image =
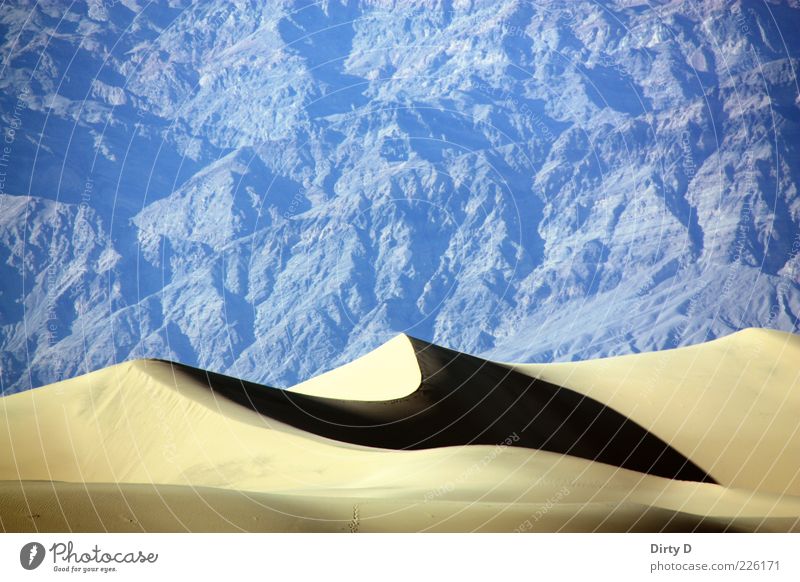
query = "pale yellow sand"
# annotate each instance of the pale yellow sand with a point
(731, 405)
(386, 373)
(143, 446)
(55, 506)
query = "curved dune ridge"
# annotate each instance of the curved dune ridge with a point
(415, 437)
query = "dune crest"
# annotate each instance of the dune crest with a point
(156, 446)
(390, 371)
(731, 405)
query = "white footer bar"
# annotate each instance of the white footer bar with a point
(406, 557)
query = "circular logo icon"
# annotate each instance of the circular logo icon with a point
(31, 555)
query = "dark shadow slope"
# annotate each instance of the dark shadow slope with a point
(466, 400)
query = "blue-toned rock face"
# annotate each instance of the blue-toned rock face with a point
(271, 190)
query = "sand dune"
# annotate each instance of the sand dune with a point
(731, 405)
(414, 437)
(395, 363)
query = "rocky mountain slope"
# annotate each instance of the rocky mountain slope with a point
(271, 189)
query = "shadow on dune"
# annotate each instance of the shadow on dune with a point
(464, 400)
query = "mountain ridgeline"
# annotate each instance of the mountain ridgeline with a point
(268, 190)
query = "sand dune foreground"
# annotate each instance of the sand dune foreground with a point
(415, 437)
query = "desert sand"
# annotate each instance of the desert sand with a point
(394, 362)
(731, 405)
(413, 437)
